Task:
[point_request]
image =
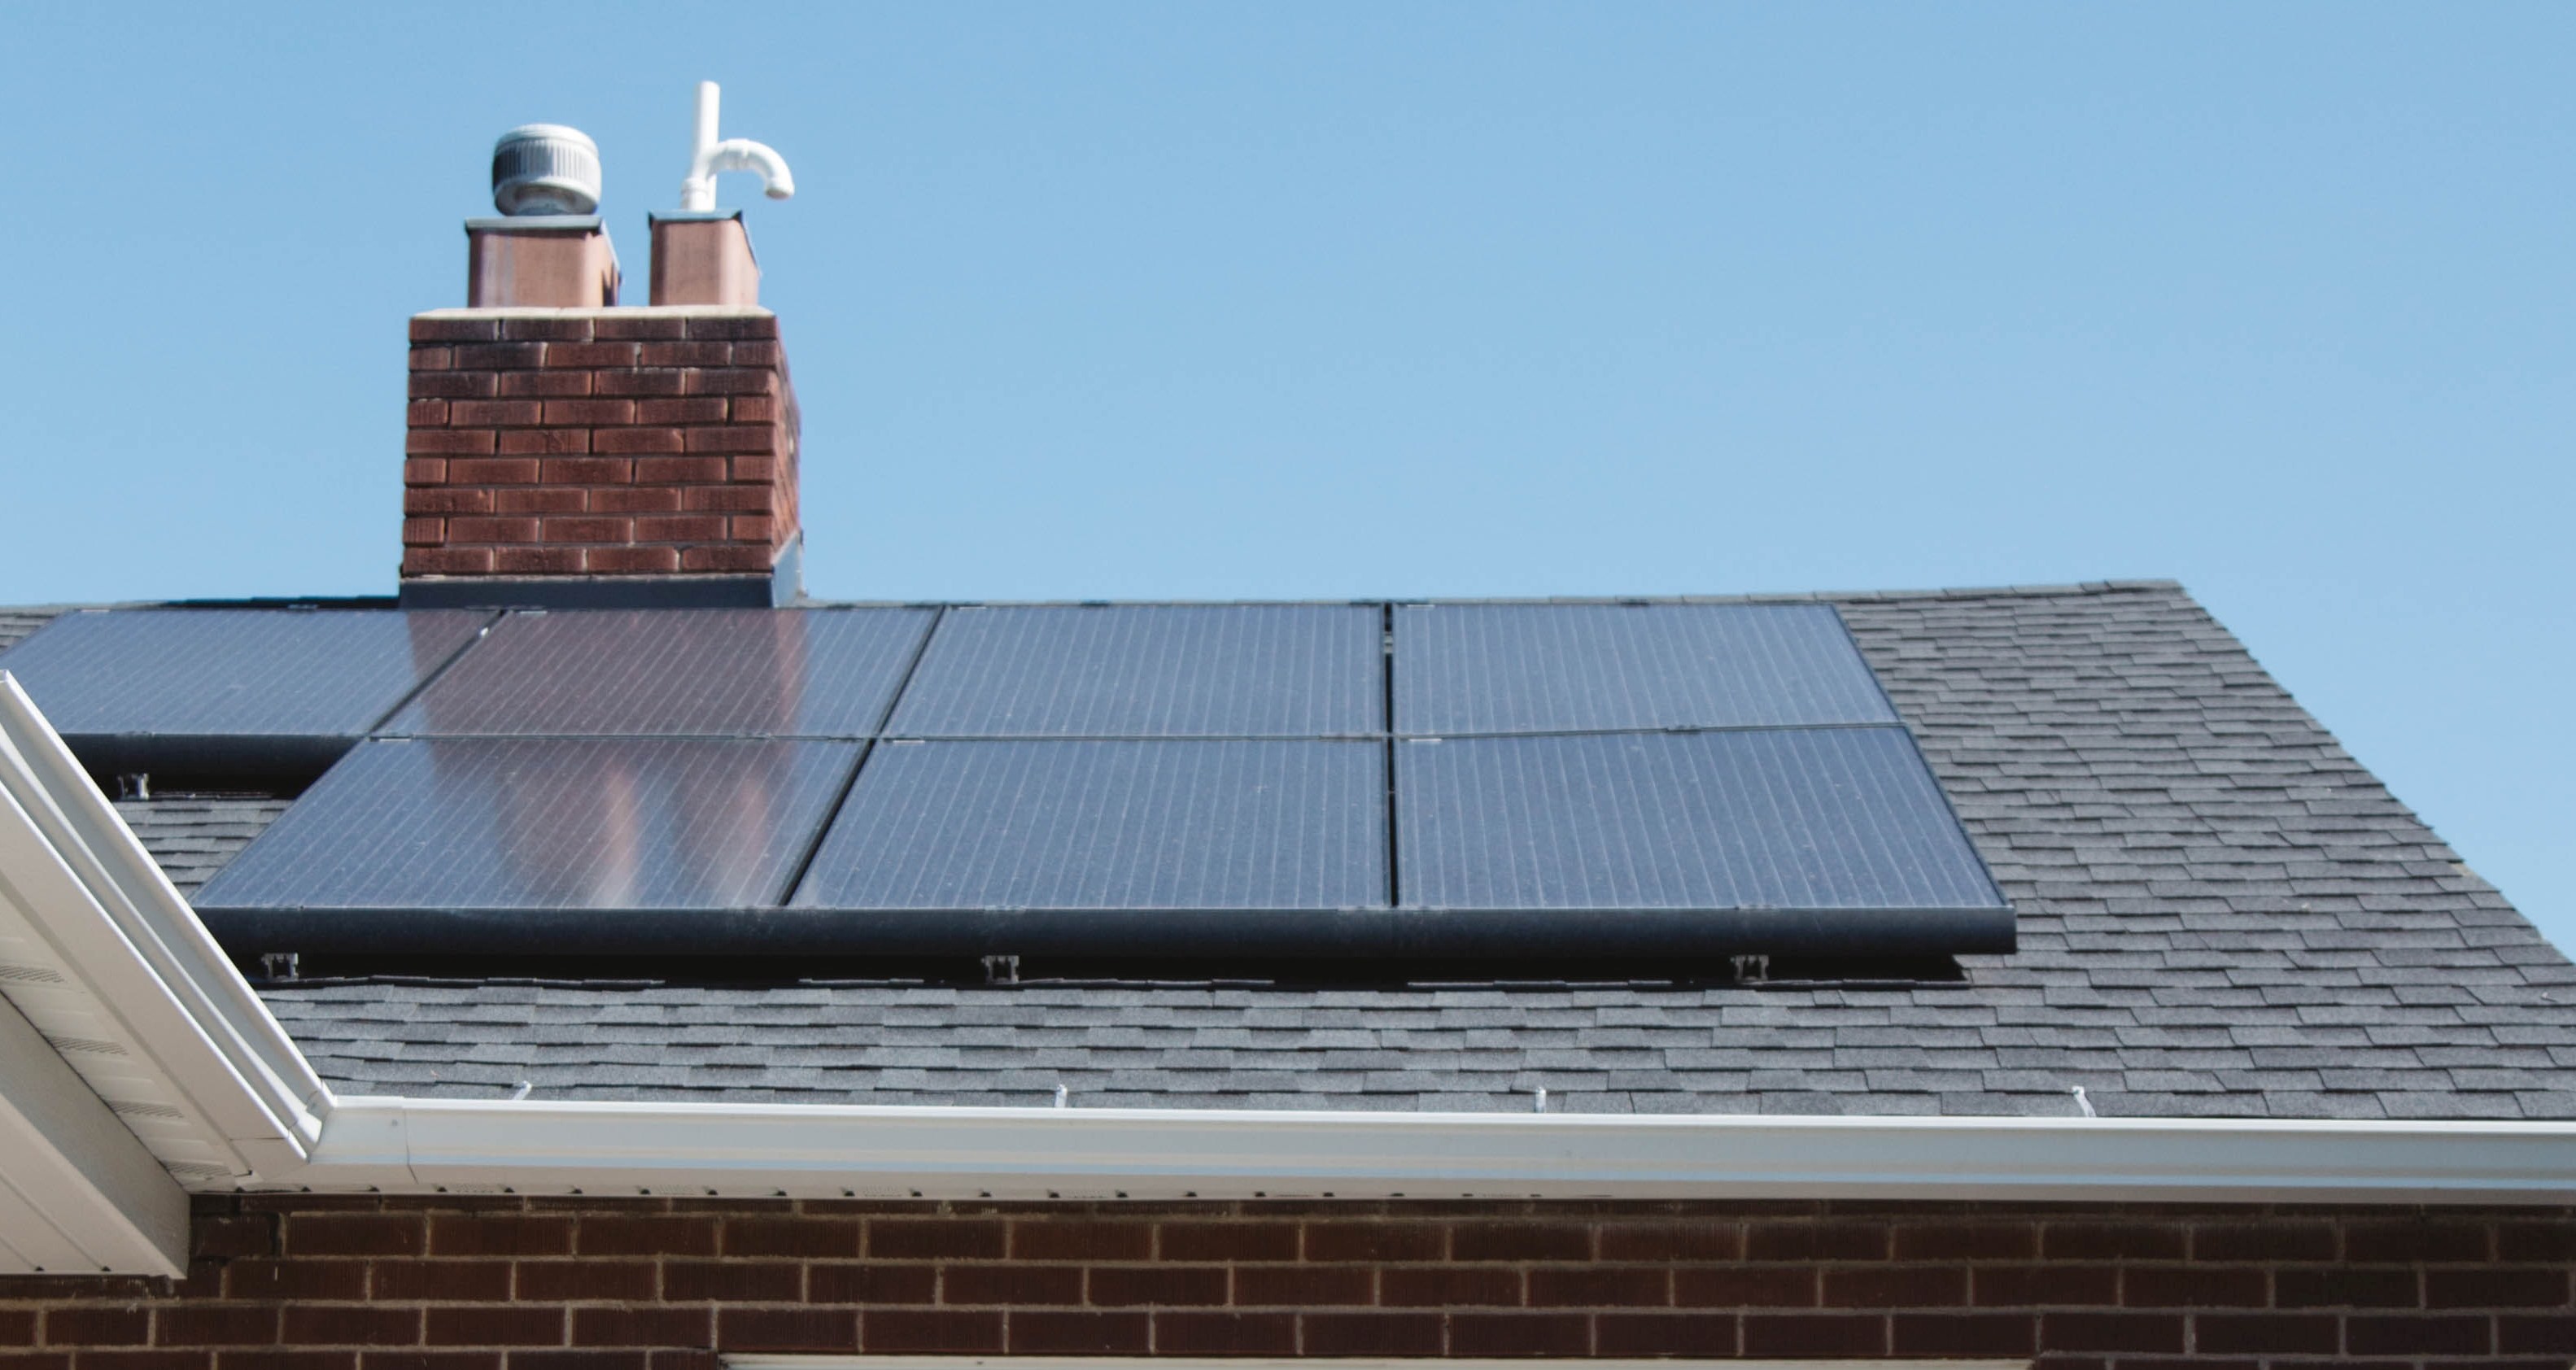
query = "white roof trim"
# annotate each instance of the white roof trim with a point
(106, 954)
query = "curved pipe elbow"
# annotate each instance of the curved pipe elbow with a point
(736, 154)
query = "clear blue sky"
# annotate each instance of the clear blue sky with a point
(1338, 299)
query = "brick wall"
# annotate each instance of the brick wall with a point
(598, 442)
(301, 1283)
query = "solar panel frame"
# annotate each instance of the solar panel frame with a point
(1149, 671)
(452, 844)
(1819, 841)
(241, 693)
(807, 672)
(1463, 669)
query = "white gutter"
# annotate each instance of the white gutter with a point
(806, 1150)
(92, 910)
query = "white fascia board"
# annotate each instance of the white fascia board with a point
(78, 1193)
(126, 950)
(807, 1150)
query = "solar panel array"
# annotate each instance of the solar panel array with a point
(1452, 779)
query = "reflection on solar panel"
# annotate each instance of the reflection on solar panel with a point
(1525, 668)
(660, 672)
(1772, 819)
(1093, 825)
(1149, 670)
(475, 826)
(220, 687)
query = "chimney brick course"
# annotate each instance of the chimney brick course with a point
(598, 442)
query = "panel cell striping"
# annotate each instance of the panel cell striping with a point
(1086, 824)
(1833, 818)
(312, 673)
(540, 824)
(675, 672)
(1538, 668)
(1149, 670)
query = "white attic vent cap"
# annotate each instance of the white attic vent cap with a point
(545, 169)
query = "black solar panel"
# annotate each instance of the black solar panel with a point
(1767, 819)
(146, 689)
(1150, 670)
(1032, 827)
(1530, 668)
(661, 672)
(475, 827)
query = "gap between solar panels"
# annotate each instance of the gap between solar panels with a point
(1566, 780)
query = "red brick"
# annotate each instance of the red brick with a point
(1665, 1334)
(1448, 1287)
(446, 500)
(1080, 1334)
(2550, 1241)
(758, 354)
(586, 1359)
(2345, 1287)
(274, 1358)
(747, 437)
(645, 1236)
(680, 528)
(894, 1331)
(544, 442)
(493, 530)
(2004, 1286)
(589, 354)
(36, 1360)
(1225, 1334)
(497, 413)
(642, 1326)
(447, 561)
(641, 327)
(1964, 1334)
(682, 410)
(2128, 1333)
(1165, 1286)
(635, 499)
(2402, 1334)
(591, 529)
(1745, 1287)
(431, 1360)
(584, 1281)
(538, 499)
(1816, 1241)
(871, 1283)
(726, 327)
(743, 1281)
(754, 468)
(2521, 1334)
(684, 354)
(424, 471)
(354, 1234)
(1226, 1241)
(2413, 1241)
(17, 1327)
(546, 329)
(2135, 1241)
(448, 442)
(1372, 1334)
(432, 359)
(1520, 1334)
(757, 499)
(2494, 1288)
(1304, 1286)
(146, 1360)
(425, 413)
(452, 385)
(677, 470)
(639, 383)
(96, 1326)
(493, 470)
(2264, 1333)
(1815, 1334)
(1963, 1241)
(542, 385)
(631, 561)
(506, 356)
(424, 532)
(579, 470)
(454, 330)
(439, 1281)
(810, 1237)
(642, 441)
(330, 1325)
(1011, 1284)
(1520, 1241)
(787, 1329)
(587, 413)
(1600, 1287)
(2273, 1239)
(507, 1325)
(1706, 1240)
(733, 381)
(754, 409)
(537, 561)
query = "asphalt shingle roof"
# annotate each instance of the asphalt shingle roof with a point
(2220, 913)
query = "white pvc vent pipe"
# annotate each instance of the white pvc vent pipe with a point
(709, 157)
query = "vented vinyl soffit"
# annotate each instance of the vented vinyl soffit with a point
(1435, 780)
